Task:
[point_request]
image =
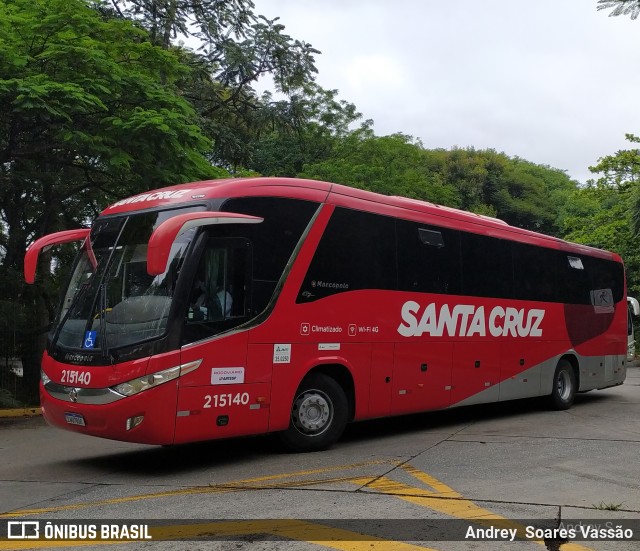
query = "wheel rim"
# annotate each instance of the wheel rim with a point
(312, 412)
(564, 385)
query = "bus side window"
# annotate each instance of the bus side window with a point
(273, 241)
(487, 267)
(534, 272)
(357, 251)
(428, 258)
(219, 294)
(574, 281)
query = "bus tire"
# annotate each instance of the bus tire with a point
(564, 386)
(318, 415)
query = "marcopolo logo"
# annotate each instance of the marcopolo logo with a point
(317, 284)
(466, 320)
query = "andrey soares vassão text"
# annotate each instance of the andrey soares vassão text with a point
(608, 531)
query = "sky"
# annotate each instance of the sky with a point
(555, 82)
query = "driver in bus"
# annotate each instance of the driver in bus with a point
(207, 307)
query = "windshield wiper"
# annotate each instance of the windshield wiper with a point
(102, 308)
(75, 301)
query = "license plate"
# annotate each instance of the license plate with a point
(75, 419)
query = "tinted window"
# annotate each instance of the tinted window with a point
(273, 241)
(606, 274)
(428, 258)
(557, 276)
(573, 278)
(535, 273)
(220, 295)
(357, 251)
(487, 266)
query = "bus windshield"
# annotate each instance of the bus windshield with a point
(111, 300)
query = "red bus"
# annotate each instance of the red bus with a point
(244, 306)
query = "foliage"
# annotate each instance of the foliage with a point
(621, 7)
(236, 49)
(621, 168)
(621, 171)
(165, 20)
(606, 213)
(89, 111)
(302, 129)
(238, 45)
(84, 113)
(484, 182)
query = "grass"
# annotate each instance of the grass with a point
(608, 506)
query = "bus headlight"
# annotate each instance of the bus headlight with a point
(43, 377)
(146, 382)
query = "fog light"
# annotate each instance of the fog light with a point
(133, 422)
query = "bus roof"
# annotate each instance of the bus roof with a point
(345, 196)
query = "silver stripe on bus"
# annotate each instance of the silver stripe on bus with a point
(95, 396)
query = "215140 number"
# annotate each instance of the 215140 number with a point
(223, 400)
(75, 377)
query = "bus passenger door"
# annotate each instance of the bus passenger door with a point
(421, 377)
(476, 373)
(223, 393)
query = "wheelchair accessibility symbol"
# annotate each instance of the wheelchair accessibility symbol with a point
(89, 339)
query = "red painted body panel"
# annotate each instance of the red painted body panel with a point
(422, 376)
(358, 332)
(158, 405)
(200, 409)
(381, 379)
(101, 377)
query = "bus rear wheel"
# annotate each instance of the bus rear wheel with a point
(318, 415)
(564, 386)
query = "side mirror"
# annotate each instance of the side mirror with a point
(166, 233)
(44, 244)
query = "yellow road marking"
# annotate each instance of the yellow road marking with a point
(20, 412)
(442, 498)
(445, 499)
(235, 486)
(319, 534)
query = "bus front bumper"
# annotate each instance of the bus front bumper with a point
(146, 418)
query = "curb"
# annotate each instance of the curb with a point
(20, 412)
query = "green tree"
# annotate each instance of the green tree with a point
(89, 111)
(533, 196)
(606, 213)
(392, 165)
(600, 215)
(165, 20)
(237, 47)
(485, 182)
(302, 129)
(83, 113)
(621, 172)
(621, 168)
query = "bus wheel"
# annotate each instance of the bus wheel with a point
(564, 386)
(318, 415)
